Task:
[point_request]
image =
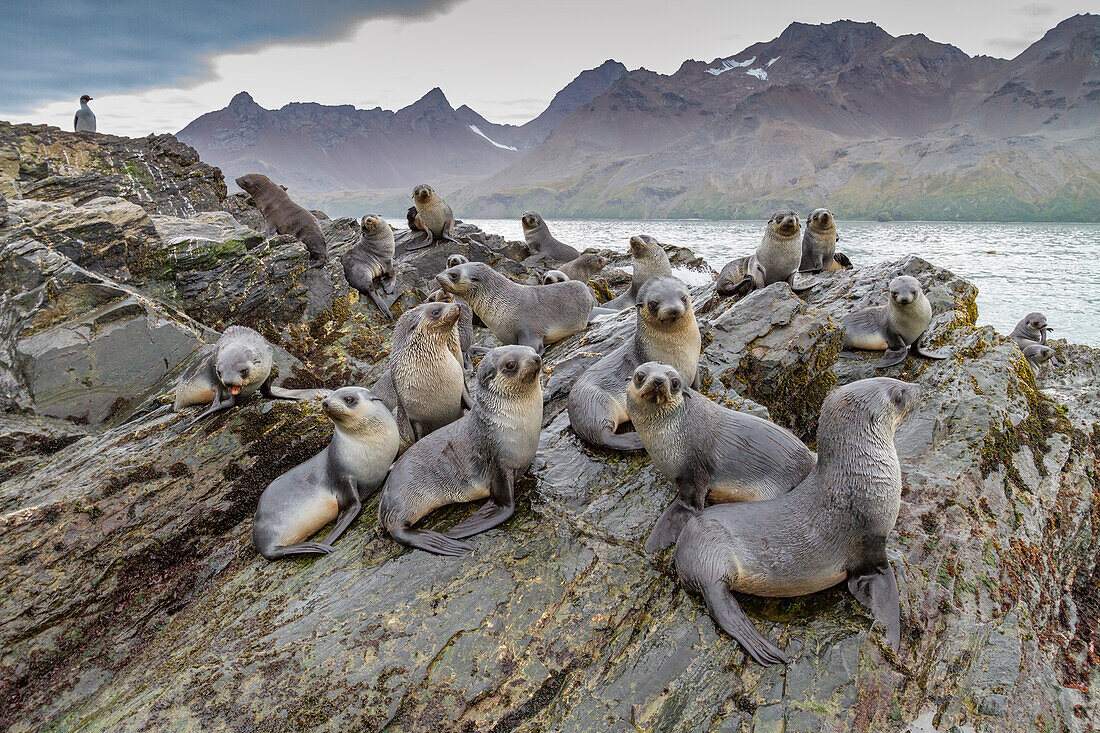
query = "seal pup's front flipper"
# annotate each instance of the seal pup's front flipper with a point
(420, 242)
(301, 548)
(499, 509)
(895, 351)
(668, 525)
(272, 392)
(725, 610)
(380, 304)
(216, 406)
(805, 285)
(433, 542)
(744, 287)
(917, 349)
(811, 262)
(876, 589)
(527, 338)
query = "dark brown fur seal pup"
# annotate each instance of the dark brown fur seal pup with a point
(896, 327)
(832, 527)
(465, 323)
(424, 384)
(238, 366)
(706, 450)
(585, 267)
(476, 457)
(433, 217)
(369, 264)
(529, 315)
(1032, 329)
(819, 245)
(331, 485)
(666, 332)
(650, 260)
(554, 276)
(537, 235)
(286, 216)
(775, 260)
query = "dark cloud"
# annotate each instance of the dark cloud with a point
(59, 48)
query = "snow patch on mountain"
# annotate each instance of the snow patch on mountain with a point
(494, 142)
(730, 65)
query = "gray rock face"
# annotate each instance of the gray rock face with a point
(132, 598)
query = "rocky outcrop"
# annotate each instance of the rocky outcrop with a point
(132, 599)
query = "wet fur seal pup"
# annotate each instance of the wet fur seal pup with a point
(895, 328)
(706, 450)
(476, 457)
(529, 315)
(666, 332)
(331, 485)
(1037, 355)
(830, 528)
(369, 264)
(238, 366)
(775, 260)
(425, 385)
(1032, 329)
(650, 260)
(554, 276)
(433, 217)
(537, 235)
(465, 323)
(84, 119)
(286, 216)
(585, 267)
(819, 245)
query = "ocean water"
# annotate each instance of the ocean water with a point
(1053, 268)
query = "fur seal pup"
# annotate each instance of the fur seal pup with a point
(1037, 355)
(456, 259)
(1032, 329)
(895, 327)
(707, 450)
(424, 384)
(529, 315)
(775, 260)
(465, 323)
(666, 332)
(819, 245)
(331, 485)
(584, 267)
(539, 239)
(84, 119)
(236, 367)
(433, 217)
(369, 264)
(554, 276)
(476, 457)
(830, 528)
(287, 217)
(650, 260)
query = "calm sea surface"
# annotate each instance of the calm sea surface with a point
(1018, 268)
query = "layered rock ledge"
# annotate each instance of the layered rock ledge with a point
(131, 597)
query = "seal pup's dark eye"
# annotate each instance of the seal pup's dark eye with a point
(510, 365)
(349, 400)
(674, 383)
(639, 379)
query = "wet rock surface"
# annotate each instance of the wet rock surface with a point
(131, 597)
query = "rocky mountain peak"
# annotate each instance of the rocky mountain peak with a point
(242, 100)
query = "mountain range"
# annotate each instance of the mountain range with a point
(841, 114)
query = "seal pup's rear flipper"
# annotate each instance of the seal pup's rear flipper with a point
(727, 613)
(842, 259)
(668, 526)
(918, 350)
(496, 511)
(433, 542)
(876, 589)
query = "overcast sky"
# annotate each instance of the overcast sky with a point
(153, 67)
